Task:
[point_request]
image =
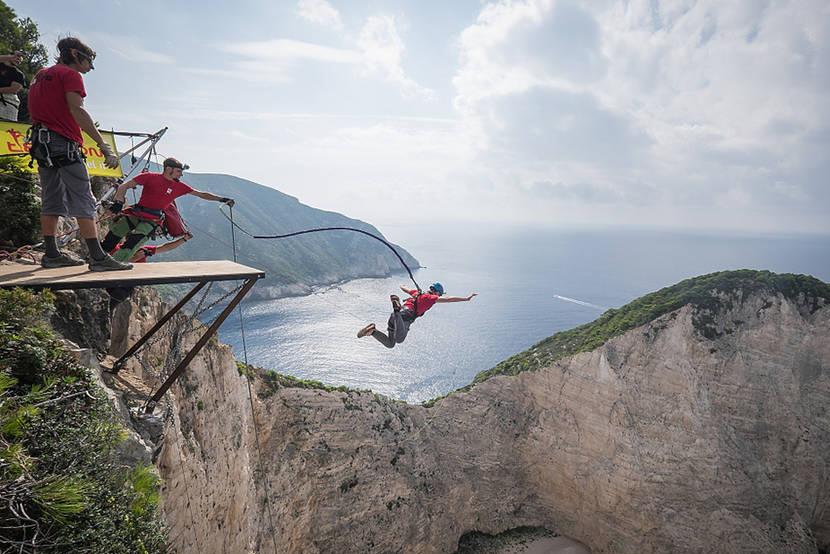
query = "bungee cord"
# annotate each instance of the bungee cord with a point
(322, 229)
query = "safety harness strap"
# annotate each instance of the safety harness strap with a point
(40, 138)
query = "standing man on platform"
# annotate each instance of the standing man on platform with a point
(56, 106)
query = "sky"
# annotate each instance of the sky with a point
(686, 114)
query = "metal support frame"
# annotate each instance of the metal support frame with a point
(119, 363)
(198, 346)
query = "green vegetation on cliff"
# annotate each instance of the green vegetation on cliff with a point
(21, 34)
(275, 381)
(20, 223)
(62, 486)
(709, 294)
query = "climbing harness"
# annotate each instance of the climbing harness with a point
(414, 311)
(40, 151)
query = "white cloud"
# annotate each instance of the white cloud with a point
(366, 168)
(320, 12)
(128, 48)
(287, 50)
(276, 61)
(383, 49)
(722, 105)
(378, 52)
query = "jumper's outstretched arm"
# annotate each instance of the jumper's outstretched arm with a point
(444, 299)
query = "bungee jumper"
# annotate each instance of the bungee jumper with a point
(404, 315)
(136, 224)
(56, 106)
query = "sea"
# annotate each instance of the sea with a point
(531, 284)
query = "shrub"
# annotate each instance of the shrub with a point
(20, 223)
(62, 486)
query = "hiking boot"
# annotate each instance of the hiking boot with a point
(108, 263)
(396, 302)
(65, 259)
(368, 330)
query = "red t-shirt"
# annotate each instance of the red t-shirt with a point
(425, 302)
(47, 100)
(157, 192)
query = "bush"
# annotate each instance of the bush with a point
(274, 381)
(62, 486)
(20, 223)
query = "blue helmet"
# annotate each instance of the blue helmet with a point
(437, 287)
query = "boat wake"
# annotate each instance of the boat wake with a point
(580, 302)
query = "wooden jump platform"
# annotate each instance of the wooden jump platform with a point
(156, 273)
(161, 273)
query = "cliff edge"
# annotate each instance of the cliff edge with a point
(705, 429)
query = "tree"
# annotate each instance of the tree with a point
(20, 224)
(21, 34)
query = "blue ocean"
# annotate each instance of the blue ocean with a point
(531, 283)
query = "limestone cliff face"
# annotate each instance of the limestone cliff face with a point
(661, 440)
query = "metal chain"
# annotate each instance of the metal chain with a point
(191, 327)
(177, 332)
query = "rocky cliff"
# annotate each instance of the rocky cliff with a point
(672, 436)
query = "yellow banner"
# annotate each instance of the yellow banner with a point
(12, 136)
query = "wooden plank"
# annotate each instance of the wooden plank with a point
(156, 273)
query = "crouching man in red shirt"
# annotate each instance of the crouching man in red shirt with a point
(137, 223)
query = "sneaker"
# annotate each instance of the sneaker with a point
(108, 263)
(65, 259)
(368, 330)
(396, 302)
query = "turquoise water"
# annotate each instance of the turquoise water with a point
(531, 284)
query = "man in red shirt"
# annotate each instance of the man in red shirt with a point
(56, 106)
(403, 316)
(138, 222)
